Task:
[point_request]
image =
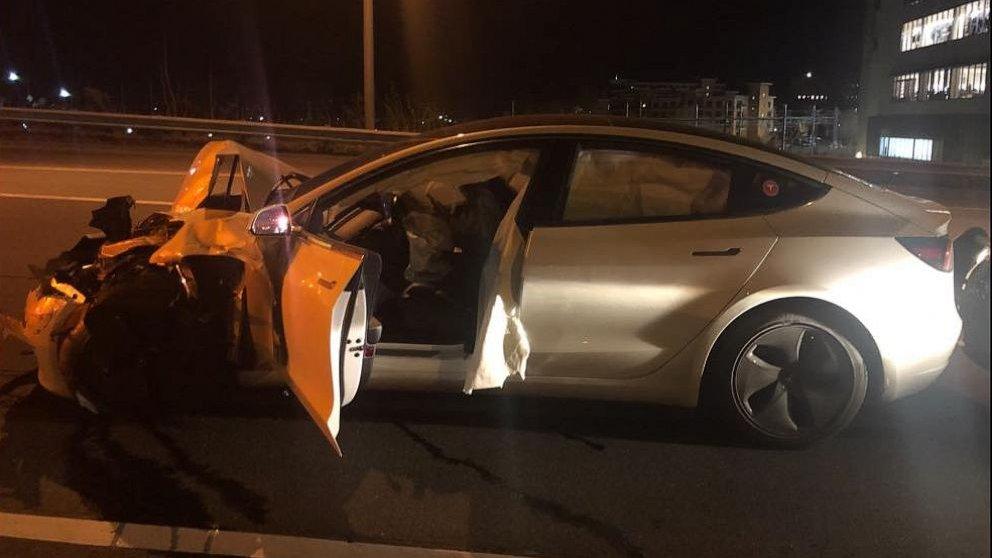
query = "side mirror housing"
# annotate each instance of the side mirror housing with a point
(274, 220)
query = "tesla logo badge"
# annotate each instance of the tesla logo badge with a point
(770, 188)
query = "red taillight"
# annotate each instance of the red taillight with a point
(934, 250)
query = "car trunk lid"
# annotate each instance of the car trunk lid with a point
(928, 215)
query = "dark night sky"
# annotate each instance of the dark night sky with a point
(467, 56)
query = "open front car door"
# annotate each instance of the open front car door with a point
(326, 303)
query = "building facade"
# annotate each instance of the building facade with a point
(707, 103)
(924, 80)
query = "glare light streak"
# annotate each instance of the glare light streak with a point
(282, 224)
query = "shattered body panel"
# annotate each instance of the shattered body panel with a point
(263, 175)
(229, 237)
(206, 264)
(190, 252)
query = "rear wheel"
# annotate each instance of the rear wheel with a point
(786, 379)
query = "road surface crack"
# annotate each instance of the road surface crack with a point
(610, 533)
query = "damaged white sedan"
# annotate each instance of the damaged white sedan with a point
(597, 257)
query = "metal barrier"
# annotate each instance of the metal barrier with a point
(873, 166)
(178, 124)
(902, 166)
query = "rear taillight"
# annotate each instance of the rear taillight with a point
(934, 250)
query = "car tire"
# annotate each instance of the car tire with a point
(786, 378)
(974, 311)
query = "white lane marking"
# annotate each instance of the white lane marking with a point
(161, 538)
(91, 169)
(73, 198)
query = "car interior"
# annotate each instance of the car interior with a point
(433, 227)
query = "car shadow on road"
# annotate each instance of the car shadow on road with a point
(589, 422)
(46, 441)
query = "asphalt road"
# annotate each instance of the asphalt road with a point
(483, 473)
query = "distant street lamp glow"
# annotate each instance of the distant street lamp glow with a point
(64, 93)
(129, 130)
(809, 74)
(12, 76)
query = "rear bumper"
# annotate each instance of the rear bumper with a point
(908, 382)
(918, 351)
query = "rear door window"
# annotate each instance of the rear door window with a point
(627, 184)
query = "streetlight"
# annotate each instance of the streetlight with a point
(12, 77)
(64, 93)
(369, 68)
(809, 74)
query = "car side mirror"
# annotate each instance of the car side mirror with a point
(274, 220)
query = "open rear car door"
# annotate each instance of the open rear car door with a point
(502, 347)
(326, 303)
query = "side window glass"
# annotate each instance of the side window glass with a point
(768, 190)
(611, 184)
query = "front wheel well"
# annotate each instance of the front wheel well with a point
(859, 336)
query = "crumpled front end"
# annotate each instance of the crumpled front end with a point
(50, 313)
(127, 315)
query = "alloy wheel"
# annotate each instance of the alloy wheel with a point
(794, 380)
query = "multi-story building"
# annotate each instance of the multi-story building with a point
(924, 83)
(707, 102)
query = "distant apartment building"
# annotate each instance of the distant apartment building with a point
(924, 82)
(707, 102)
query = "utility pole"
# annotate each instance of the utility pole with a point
(210, 91)
(368, 43)
(836, 135)
(812, 133)
(785, 122)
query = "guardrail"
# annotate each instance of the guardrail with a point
(179, 124)
(873, 167)
(902, 166)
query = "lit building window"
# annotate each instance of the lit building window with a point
(962, 82)
(920, 149)
(906, 86)
(968, 81)
(963, 21)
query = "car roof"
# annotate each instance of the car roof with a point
(607, 121)
(507, 124)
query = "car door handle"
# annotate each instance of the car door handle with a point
(727, 252)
